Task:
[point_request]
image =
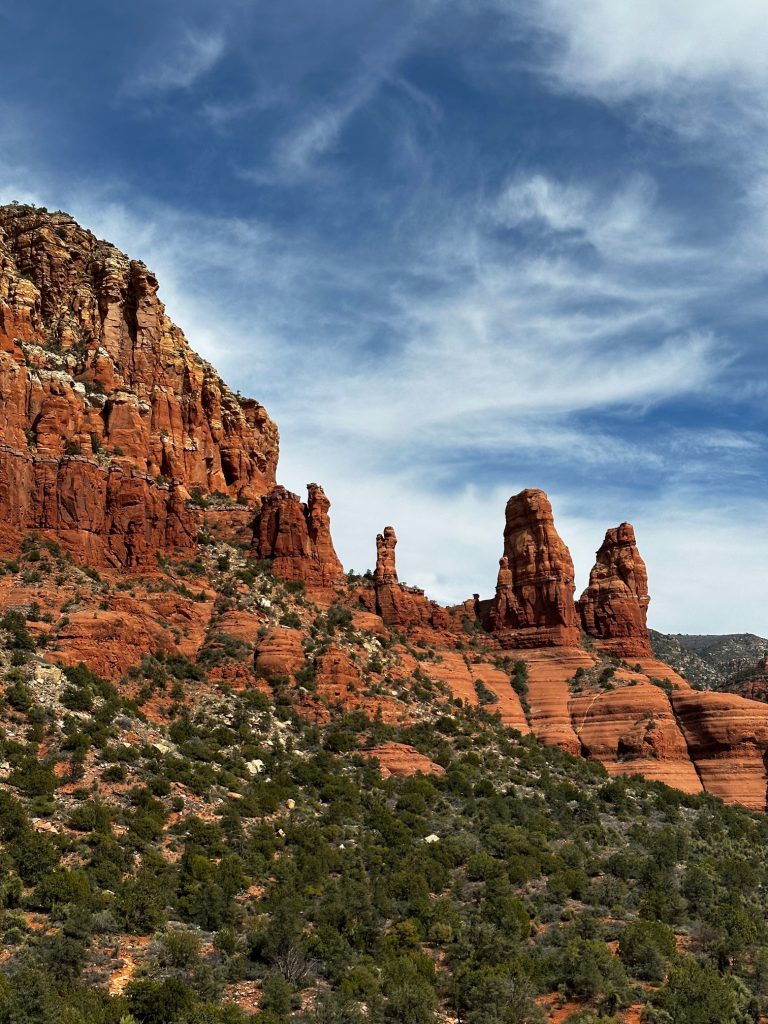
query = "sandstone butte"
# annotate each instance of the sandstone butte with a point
(111, 432)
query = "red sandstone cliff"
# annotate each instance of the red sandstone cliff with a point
(533, 606)
(107, 417)
(296, 537)
(613, 608)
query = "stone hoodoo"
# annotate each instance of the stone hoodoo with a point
(399, 606)
(107, 418)
(386, 567)
(534, 606)
(296, 537)
(613, 608)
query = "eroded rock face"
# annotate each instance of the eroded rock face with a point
(727, 739)
(633, 729)
(614, 606)
(280, 652)
(399, 606)
(108, 420)
(296, 537)
(401, 759)
(534, 606)
(104, 514)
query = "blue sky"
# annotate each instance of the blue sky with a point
(456, 248)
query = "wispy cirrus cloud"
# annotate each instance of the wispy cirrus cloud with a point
(191, 56)
(317, 127)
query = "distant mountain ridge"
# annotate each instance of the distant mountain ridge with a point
(711, 661)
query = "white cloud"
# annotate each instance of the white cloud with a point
(652, 46)
(624, 225)
(189, 57)
(319, 130)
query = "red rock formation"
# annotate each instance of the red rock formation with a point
(386, 564)
(401, 759)
(633, 730)
(534, 605)
(461, 675)
(651, 722)
(727, 740)
(107, 418)
(280, 652)
(108, 642)
(337, 677)
(399, 606)
(296, 537)
(549, 672)
(613, 608)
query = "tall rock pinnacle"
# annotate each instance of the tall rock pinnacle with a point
(296, 537)
(399, 606)
(533, 606)
(386, 569)
(613, 608)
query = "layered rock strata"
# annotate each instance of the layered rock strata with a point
(614, 606)
(634, 730)
(108, 420)
(295, 536)
(480, 682)
(727, 739)
(647, 720)
(533, 606)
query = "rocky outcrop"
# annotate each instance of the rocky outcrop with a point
(399, 606)
(727, 739)
(280, 652)
(296, 537)
(533, 606)
(633, 730)
(402, 760)
(614, 606)
(108, 420)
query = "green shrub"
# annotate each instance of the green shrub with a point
(645, 947)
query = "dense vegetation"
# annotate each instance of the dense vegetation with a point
(540, 862)
(250, 850)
